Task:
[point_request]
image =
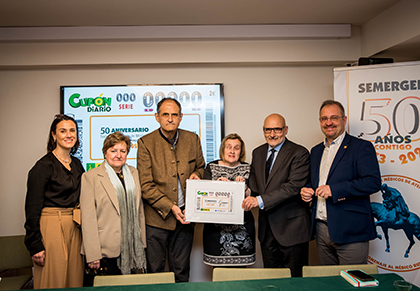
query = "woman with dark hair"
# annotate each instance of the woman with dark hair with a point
(230, 244)
(52, 234)
(113, 225)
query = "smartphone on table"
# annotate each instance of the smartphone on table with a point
(362, 276)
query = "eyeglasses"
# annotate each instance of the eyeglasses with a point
(268, 130)
(333, 118)
(236, 148)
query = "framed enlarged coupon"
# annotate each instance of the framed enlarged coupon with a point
(215, 201)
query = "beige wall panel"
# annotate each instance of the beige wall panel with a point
(30, 98)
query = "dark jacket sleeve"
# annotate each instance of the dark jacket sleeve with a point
(296, 177)
(207, 172)
(364, 181)
(38, 178)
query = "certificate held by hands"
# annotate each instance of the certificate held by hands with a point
(215, 201)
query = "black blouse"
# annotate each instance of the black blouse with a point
(50, 184)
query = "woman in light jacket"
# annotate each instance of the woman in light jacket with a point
(113, 225)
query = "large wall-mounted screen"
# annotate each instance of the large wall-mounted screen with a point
(130, 109)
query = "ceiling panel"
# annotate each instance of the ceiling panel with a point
(187, 12)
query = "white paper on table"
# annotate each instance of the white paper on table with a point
(215, 201)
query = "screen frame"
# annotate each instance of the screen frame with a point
(220, 102)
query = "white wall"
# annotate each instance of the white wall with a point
(397, 25)
(290, 77)
(30, 98)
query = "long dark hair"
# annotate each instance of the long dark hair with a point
(51, 145)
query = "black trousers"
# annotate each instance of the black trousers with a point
(108, 266)
(176, 244)
(277, 256)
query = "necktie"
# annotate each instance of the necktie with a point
(268, 163)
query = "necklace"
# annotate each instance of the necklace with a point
(64, 161)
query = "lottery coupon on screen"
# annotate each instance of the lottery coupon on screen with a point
(102, 110)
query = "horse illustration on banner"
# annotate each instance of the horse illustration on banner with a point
(394, 213)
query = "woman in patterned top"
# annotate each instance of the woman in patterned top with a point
(230, 244)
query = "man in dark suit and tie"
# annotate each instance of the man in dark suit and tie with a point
(279, 170)
(344, 173)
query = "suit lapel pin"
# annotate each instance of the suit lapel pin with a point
(345, 147)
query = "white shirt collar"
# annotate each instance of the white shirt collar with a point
(337, 141)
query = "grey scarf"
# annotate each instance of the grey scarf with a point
(132, 248)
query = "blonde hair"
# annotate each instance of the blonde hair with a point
(242, 155)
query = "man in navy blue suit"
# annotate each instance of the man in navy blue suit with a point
(344, 172)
